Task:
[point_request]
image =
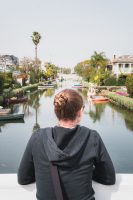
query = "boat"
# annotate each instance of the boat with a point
(8, 121)
(45, 86)
(12, 116)
(15, 100)
(5, 111)
(78, 85)
(98, 99)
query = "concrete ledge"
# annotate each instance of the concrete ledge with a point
(11, 190)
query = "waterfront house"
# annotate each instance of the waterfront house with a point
(122, 65)
(19, 76)
(8, 62)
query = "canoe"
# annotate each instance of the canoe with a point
(19, 100)
(78, 85)
(11, 117)
(45, 86)
(5, 111)
(41, 87)
(99, 99)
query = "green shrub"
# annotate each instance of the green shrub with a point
(32, 77)
(8, 80)
(1, 100)
(1, 83)
(129, 84)
(121, 80)
(24, 89)
(110, 81)
(121, 101)
(16, 85)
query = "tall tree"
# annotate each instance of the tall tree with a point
(98, 60)
(36, 39)
(51, 70)
(81, 67)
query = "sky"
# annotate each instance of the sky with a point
(71, 30)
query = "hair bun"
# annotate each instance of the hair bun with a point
(60, 100)
(67, 103)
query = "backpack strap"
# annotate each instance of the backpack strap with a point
(56, 181)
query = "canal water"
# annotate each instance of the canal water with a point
(115, 126)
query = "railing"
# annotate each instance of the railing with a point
(123, 189)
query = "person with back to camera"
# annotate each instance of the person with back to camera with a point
(78, 152)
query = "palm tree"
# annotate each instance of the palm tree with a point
(36, 39)
(98, 60)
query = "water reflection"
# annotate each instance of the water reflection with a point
(126, 114)
(113, 123)
(34, 102)
(49, 92)
(4, 122)
(96, 111)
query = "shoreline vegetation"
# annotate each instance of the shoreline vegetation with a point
(25, 88)
(115, 98)
(108, 91)
(122, 101)
(8, 93)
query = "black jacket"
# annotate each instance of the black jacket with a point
(80, 156)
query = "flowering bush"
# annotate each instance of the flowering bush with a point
(122, 93)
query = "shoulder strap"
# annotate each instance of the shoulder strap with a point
(56, 181)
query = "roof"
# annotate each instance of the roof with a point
(124, 59)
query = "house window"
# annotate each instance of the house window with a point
(120, 65)
(126, 65)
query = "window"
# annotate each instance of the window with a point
(119, 65)
(126, 65)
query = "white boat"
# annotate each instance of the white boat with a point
(14, 116)
(45, 86)
(4, 111)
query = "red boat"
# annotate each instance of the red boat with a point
(99, 99)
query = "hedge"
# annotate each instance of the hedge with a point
(129, 84)
(25, 88)
(121, 101)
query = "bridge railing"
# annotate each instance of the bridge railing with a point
(11, 190)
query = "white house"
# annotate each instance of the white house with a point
(8, 61)
(122, 65)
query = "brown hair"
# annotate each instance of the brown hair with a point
(67, 103)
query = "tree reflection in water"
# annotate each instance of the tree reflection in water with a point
(34, 102)
(126, 114)
(96, 110)
(49, 92)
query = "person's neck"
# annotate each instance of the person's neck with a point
(68, 123)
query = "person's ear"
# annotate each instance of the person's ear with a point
(80, 112)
